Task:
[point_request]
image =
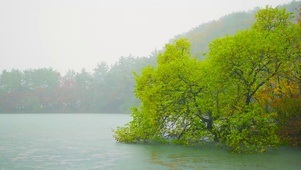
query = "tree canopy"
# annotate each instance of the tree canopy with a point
(235, 96)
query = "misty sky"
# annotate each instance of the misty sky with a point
(75, 34)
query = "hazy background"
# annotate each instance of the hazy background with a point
(75, 34)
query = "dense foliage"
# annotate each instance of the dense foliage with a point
(246, 93)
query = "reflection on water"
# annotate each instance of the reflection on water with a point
(84, 141)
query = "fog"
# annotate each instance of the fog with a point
(75, 34)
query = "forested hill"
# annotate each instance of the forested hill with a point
(202, 35)
(108, 88)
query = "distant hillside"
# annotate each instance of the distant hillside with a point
(202, 35)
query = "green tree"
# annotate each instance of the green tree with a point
(244, 64)
(98, 90)
(10, 90)
(171, 96)
(11, 80)
(83, 82)
(40, 85)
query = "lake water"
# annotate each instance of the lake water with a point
(84, 141)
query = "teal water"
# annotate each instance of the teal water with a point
(84, 141)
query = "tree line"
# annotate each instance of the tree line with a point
(245, 94)
(108, 89)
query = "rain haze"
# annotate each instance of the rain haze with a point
(76, 34)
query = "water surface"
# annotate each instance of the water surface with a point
(84, 141)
